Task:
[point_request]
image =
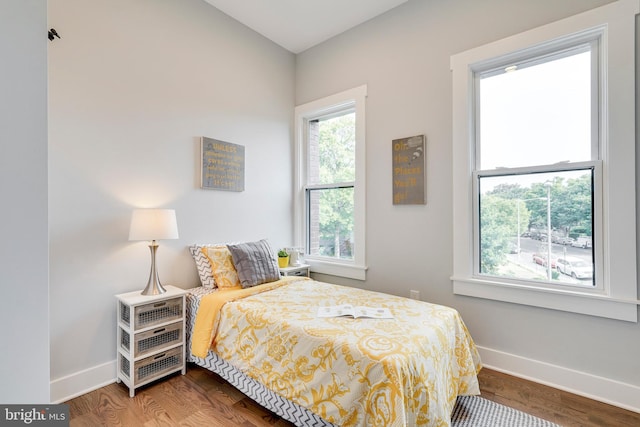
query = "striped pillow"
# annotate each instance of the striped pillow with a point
(203, 266)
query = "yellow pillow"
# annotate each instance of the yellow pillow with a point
(223, 270)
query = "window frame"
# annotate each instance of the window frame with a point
(615, 223)
(349, 100)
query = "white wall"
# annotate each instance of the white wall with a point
(24, 287)
(132, 87)
(403, 57)
(133, 84)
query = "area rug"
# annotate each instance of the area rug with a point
(475, 411)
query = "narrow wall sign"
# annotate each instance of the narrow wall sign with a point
(222, 165)
(408, 170)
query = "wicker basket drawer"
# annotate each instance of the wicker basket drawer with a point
(155, 313)
(155, 366)
(152, 340)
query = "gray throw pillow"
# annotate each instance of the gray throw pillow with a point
(255, 263)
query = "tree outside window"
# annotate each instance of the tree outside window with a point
(331, 183)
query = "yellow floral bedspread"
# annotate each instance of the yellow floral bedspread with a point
(405, 371)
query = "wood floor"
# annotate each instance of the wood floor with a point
(202, 398)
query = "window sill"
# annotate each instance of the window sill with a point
(573, 302)
(335, 268)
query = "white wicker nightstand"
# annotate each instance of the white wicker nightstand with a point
(295, 270)
(151, 336)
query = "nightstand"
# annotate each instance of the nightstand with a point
(151, 336)
(296, 270)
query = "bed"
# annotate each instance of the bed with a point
(268, 341)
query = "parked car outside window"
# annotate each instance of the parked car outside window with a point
(582, 242)
(575, 267)
(541, 259)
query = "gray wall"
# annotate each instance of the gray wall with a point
(24, 360)
(403, 57)
(133, 85)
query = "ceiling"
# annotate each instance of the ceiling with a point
(298, 25)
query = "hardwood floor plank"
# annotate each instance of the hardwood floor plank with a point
(256, 413)
(551, 404)
(205, 417)
(87, 420)
(203, 398)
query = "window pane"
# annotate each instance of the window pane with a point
(332, 151)
(538, 113)
(516, 238)
(331, 222)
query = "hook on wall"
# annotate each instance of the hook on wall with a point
(53, 33)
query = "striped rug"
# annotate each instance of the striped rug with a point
(475, 411)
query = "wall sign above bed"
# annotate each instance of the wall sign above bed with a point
(222, 165)
(408, 170)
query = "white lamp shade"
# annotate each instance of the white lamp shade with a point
(153, 224)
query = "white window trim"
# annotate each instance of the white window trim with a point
(356, 97)
(617, 135)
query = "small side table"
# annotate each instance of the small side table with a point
(151, 336)
(296, 270)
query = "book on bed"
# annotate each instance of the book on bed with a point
(348, 310)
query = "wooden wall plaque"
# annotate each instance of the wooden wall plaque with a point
(222, 165)
(408, 156)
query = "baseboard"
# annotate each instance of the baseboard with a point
(591, 386)
(79, 383)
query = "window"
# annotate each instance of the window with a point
(330, 182)
(532, 115)
(544, 166)
(330, 185)
(526, 219)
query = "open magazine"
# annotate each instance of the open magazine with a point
(348, 310)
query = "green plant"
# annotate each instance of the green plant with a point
(282, 253)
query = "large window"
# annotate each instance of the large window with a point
(544, 166)
(537, 147)
(330, 183)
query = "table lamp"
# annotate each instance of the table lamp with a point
(152, 225)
